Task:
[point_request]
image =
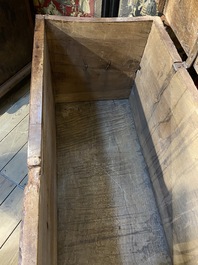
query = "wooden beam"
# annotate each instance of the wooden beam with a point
(38, 236)
(15, 79)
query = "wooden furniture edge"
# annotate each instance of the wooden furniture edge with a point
(30, 216)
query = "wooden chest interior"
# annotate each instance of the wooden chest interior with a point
(113, 140)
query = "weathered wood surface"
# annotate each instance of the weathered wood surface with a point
(47, 252)
(16, 36)
(103, 67)
(6, 187)
(165, 111)
(10, 251)
(13, 152)
(107, 212)
(17, 167)
(38, 237)
(183, 19)
(14, 115)
(11, 99)
(13, 142)
(10, 212)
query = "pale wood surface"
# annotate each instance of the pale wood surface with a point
(10, 99)
(47, 253)
(14, 115)
(6, 187)
(38, 236)
(165, 106)
(10, 251)
(106, 208)
(10, 214)
(14, 168)
(183, 19)
(13, 142)
(13, 161)
(83, 67)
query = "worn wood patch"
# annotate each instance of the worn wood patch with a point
(106, 208)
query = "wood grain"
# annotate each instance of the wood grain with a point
(13, 116)
(106, 208)
(183, 19)
(12, 143)
(6, 187)
(11, 99)
(47, 252)
(102, 67)
(10, 212)
(16, 169)
(38, 236)
(9, 252)
(164, 103)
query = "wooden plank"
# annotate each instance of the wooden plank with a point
(165, 110)
(13, 116)
(13, 97)
(16, 38)
(47, 252)
(183, 19)
(6, 187)
(29, 232)
(16, 169)
(24, 182)
(13, 142)
(99, 66)
(10, 212)
(14, 80)
(30, 217)
(106, 208)
(38, 237)
(10, 251)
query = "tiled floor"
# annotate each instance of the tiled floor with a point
(14, 115)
